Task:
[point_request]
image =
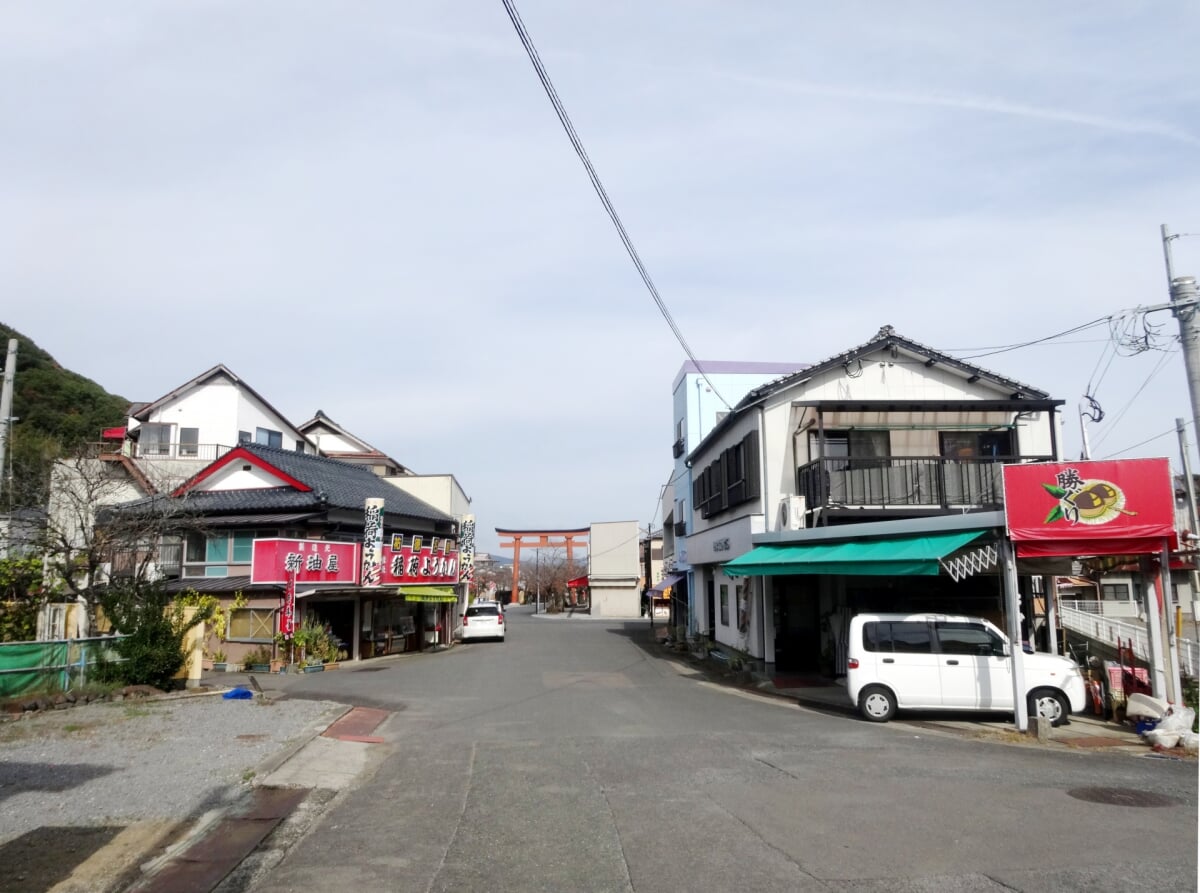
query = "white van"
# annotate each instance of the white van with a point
(945, 662)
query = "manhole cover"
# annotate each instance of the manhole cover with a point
(1121, 797)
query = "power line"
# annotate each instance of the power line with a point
(1159, 366)
(993, 351)
(598, 186)
(1143, 443)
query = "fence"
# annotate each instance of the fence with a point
(1080, 616)
(36, 667)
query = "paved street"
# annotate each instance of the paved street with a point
(578, 755)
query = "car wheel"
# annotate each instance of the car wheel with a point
(877, 703)
(1051, 704)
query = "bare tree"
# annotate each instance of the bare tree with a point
(106, 519)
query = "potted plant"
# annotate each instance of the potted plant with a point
(218, 661)
(259, 660)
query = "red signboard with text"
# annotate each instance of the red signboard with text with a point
(414, 560)
(313, 561)
(1122, 507)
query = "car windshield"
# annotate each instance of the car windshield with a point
(482, 611)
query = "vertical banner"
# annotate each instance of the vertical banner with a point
(287, 614)
(372, 555)
(466, 550)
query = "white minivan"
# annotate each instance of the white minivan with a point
(947, 662)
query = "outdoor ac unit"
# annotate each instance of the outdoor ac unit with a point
(791, 513)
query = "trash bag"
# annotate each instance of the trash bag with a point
(1177, 719)
(238, 694)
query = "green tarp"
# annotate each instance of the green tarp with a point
(884, 556)
(28, 667)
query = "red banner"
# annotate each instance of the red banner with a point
(1124, 507)
(312, 561)
(408, 560)
(287, 611)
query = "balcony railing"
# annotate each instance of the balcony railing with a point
(910, 481)
(165, 561)
(201, 452)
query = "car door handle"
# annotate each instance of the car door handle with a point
(952, 663)
(889, 660)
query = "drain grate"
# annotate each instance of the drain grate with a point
(1121, 797)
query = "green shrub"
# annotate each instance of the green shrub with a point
(152, 651)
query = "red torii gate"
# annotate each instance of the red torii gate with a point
(539, 539)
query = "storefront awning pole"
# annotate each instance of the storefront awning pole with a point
(1153, 602)
(1012, 610)
(1174, 683)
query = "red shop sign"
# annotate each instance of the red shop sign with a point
(1123, 507)
(313, 561)
(407, 560)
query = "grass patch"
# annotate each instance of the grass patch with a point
(248, 776)
(138, 711)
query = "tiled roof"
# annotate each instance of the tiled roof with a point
(334, 485)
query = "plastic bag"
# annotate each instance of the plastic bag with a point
(1189, 741)
(238, 694)
(1177, 720)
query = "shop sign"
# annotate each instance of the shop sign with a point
(312, 561)
(408, 560)
(466, 550)
(372, 553)
(1123, 507)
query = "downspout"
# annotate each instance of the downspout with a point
(762, 489)
(824, 489)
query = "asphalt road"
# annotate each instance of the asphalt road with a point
(578, 755)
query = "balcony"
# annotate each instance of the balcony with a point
(133, 563)
(200, 452)
(914, 482)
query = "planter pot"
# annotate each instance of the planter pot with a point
(219, 667)
(260, 668)
(277, 665)
(313, 668)
(333, 666)
(206, 664)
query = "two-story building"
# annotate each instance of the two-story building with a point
(847, 486)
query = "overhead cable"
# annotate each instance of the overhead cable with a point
(598, 186)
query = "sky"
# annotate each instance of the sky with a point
(370, 209)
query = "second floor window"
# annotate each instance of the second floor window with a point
(975, 444)
(267, 437)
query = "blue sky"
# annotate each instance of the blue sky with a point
(370, 209)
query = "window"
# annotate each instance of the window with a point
(216, 549)
(904, 637)
(968, 638)
(1115, 592)
(154, 440)
(860, 447)
(267, 437)
(975, 444)
(724, 604)
(299, 446)
(243, 437)
(729, 480)
(189, 442)
(251, 625)
(243, 547)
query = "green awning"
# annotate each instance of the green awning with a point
(428, 594)
(882, 556)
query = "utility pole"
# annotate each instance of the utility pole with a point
(6, 399)
(1184, 298)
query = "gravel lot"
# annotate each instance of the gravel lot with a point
(115, 763)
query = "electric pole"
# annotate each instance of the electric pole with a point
(1184, 297)
(6, 398)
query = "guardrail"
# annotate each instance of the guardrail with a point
(1112, 631)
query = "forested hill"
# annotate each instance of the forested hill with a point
(57, 411)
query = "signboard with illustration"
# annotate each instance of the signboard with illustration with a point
(1122, 507)
(311, 561)
(410, 559)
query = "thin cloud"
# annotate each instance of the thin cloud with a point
(965, 103)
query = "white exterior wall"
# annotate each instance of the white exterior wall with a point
(239, 476)
(219, 409)
(441, 491)
(613, 569)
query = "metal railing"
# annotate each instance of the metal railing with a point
(1079, 617)
(200, 452)
(924, 481)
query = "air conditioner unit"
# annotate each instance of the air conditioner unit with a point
(792, 510)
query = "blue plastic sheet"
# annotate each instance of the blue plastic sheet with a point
(238, 694)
